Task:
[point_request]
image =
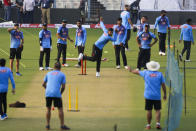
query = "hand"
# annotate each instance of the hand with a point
(71, 40)
(121, 44)
(41, 48)
(129, 69)
(114, 46)
(63, 39)
(13, 91)
(164, 98)
(139, 45)
(101, 18)
(150, 45)
(21, 45)
(180, 41)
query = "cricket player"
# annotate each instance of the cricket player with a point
(119, 44)
(163, 24)
(54, 84)
(144, 41)
(127, 23)
(99, 45)
(80, 39)
(16, 47)
(154, 80)
(5, 75)
(45, 40)
(187, 36)
(144, 20)
(63, 35)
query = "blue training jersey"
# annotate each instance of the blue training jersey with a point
(153, 81)
(125, 15)
(186, 33)
(46, 38)
(146, 38)
(121, 34)
(162, 23)
(16, 37)
(141, 28)
(54, 80)
(105, 38)
(63, 32)
(80, 37)
(5, 75)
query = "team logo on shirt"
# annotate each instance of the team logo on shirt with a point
(64, 31)
(3, 71)
(79, 32)
(55, 73)
(163, 21)
(145, 36)
(47, 34)
(120, 30)
(153, 75)
(17, 35)
(185, 26)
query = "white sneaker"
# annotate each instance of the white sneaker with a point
(160, 53)
(118, 67)
(41, 68)
(126, 67)
(48, 68)
(97, 74)
(187, 60)
(163, 53)
(65, 65)
(77, 65)
(80, 57)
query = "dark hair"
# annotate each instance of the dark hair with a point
(79, 21)
(147, 25)
(2, 62)
(110, 29)
(57, 65)
(44, 24)
(146, 17)
(16, 24)
(163, 11)
(189, 20)
(64, 21)
(126, 6)
(119, 19)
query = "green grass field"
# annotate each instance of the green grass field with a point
(114, 98)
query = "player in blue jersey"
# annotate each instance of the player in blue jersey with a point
(127, 23)
(163, 24)
(98, 46)
(141, 27)
(54, 83)
(119, 44)
(80, 39)
(5, 75)
(45, 40)
(144, 39)
(16, 47)
(187, 36)
(154, 80)
(63, 35)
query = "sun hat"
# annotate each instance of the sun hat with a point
(153, 66)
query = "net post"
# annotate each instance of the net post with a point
(185, 102)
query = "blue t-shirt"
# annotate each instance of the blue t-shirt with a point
(16, 38)
(80, 37)
(146, 38)
(162, 23)
(125, 15)
(186, 33)
(105, 38)
(121, 34)
(45, 3)
(54, 80)
(153, 81)
(5, 75)
(141, 28)
(46, 38)
(63, 32)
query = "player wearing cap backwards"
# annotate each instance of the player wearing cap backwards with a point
(119, 44)
(45, 39)
(16, 47)
(99, 45)
(63, 35)
(154, 80)
(163, 24)
(80, 39)
(187, 36)
(144, 39)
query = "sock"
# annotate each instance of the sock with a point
(148, 125)
(158, 123)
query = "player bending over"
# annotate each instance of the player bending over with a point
(98, 46)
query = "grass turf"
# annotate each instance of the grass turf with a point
(116, 98)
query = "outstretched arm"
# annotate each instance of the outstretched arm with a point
(133, 71)
(102, 25)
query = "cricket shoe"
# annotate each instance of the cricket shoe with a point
(80, 57)
(126, 67)
(148, 127)
(65, 65)
(41, 68)
(97, 74)
(188, 60)
(158, 126)
(77, 66)
(180, 57)
(18, 74)
(48, 127)
(118, 67)
(65, 127)
(160, 53)
(5, 115)
(48, 68)
(2, 118)
(163, 53)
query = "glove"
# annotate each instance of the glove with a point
(134, 29)
(41, 48)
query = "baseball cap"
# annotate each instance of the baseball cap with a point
(16, 24)
(64, 21)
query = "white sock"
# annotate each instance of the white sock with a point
(148, 125)
(158, 123)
